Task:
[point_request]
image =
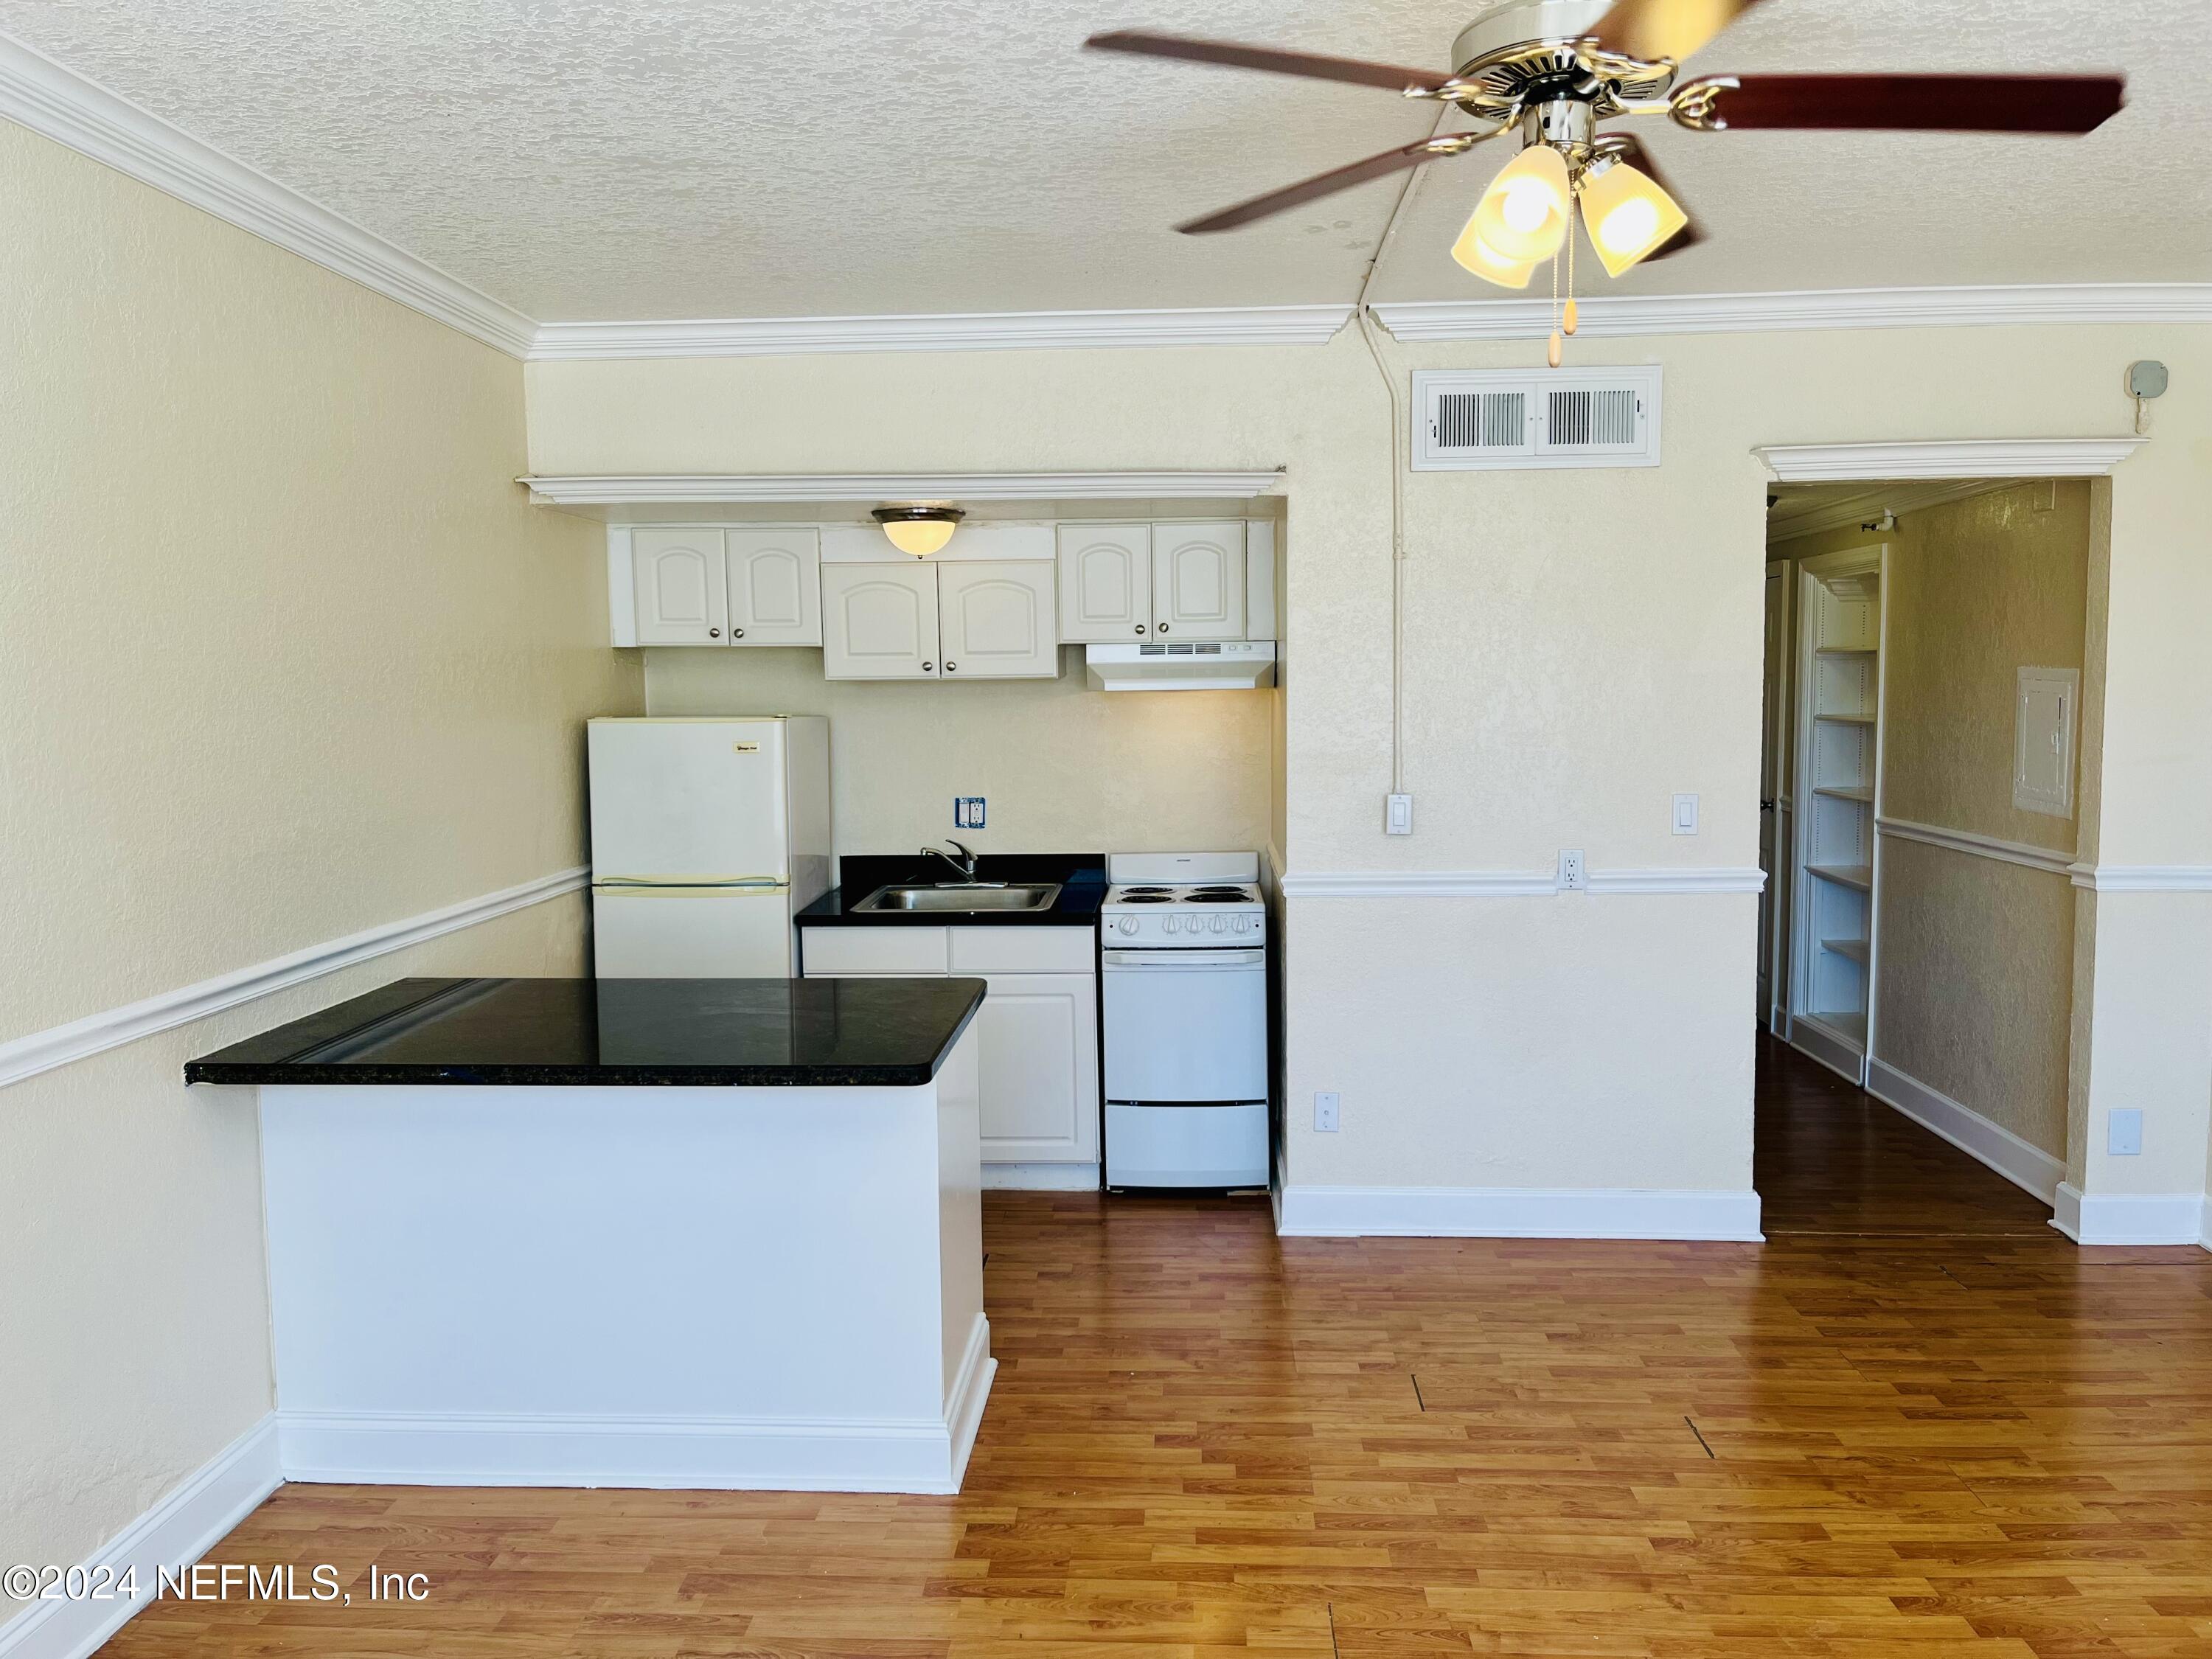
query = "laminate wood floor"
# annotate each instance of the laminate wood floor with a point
(1917, 1422)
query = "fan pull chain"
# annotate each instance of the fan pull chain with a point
(1573, 315)
(1553, 351)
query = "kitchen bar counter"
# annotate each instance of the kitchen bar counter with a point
(620, 1033)
(690, 1233)
(1081, 876)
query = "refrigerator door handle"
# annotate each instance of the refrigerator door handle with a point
(761, 883)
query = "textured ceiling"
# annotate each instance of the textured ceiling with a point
(734, 158)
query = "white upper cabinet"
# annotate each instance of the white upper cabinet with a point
(1105, 583)
(996, 619)
(1198, 580)
(879, 622)
(775, 585)
(682, 596)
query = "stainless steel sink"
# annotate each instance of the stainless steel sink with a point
(953, 895)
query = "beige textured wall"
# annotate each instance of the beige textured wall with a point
(1580, 644)
(1064, 769)
(286, 656)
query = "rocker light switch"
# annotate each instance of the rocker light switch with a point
(1398, 815)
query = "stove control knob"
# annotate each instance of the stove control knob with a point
(1171, 925)
(1219, 924)
(1128, 924)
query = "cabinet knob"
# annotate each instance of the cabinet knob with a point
(1163, 628)
(737, 633)
(928, 666)
(713, 632)
(952, 667)
(1140, 628)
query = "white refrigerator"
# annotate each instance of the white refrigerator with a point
(708, 837)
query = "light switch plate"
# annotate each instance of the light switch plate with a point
(1398, 815)
(2123, 1132)
(1325, 1111)
(967, 811)
(1686, 814)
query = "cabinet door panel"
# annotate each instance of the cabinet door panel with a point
(1198, 580)
(1105, 582)
(879, 622)
(776, 586)
(1039, 1053)
(996, 619)
(681, 598)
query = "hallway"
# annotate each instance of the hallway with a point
(1917, 1421)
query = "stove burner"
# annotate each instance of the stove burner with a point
(1143, 889)
(1214, 896)
(1135, 897)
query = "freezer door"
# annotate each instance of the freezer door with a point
(1186, 1025)
(689, 800)
(692, 933)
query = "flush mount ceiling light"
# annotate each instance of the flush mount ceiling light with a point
(921, 528)
(1552, 70)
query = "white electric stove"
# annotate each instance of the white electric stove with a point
(1184, 972)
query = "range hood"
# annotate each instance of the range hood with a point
(1185, 666)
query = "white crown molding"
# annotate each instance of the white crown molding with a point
(1976, 458)
(2022, 1163)
(643, 490)
(1515, 1213)
(1988, 847)
(59, 1045)
(1603, 315)
(167, 1538)
(2143, 877)
(1511, 883)
(56, 103)
(1004, 330)
(2140, 1218)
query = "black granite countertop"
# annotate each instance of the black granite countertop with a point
(616, 1033)
(1082, 877)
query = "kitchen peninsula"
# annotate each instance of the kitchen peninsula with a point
(690, 1233)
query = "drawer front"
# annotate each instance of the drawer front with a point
(827, 951)
(1025, 950)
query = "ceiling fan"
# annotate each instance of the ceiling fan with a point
(1555, 68)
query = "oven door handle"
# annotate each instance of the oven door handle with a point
(1185, 958)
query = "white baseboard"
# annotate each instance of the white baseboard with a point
(1041, 1178)
(2025, 1164)
(2131, 1217)
(730, 1454)
(1517, 1212)
(175, 1532)
(1809, 1037)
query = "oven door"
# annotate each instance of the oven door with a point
(1186, 1025)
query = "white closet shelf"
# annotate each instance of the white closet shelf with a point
(1846, 651)
(1844, 875)
(1844, 791)
(1847, 720)
(1855, 949)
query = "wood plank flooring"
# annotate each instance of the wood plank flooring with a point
(1917, 1422)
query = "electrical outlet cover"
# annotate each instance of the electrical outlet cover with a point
(967, 811)
(2123, 1132)
(1325, 1106)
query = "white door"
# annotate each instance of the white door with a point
(688, 800)
(996, 619)
(1039, 1053)
(682, 597)
(1186, 1025)
(776, 586)
(1198, 580)
(1105, 582)
(692, 933)
(879, 622)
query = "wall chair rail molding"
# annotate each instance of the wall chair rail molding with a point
(59, 1045)
(57, 103)
(710, 489)
(1973, 458)
(1007, 331)
(1517, 1212)
(1512, 883)
(1809, 310)
(2143, 877)
(176, 1532)
(1986, 847)
(2022, 1163)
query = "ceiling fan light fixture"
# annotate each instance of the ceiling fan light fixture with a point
(1522, 216)
(1629, 216)
(1475, 255)
(921, 528)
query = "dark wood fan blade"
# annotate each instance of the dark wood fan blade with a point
(1327, 184)
(1313, 67)
(1632, 152)
(1920, 103)
(1666, 28)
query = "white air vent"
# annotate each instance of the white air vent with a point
(1499, 418)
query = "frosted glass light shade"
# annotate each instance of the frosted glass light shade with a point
(1522, 216)
(921, 530)
(1630, 218)
(1484, 261)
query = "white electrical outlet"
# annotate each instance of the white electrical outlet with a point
(1573, 879)
(1686, 814)
(2123, 1132)
(1325, 1105)
(1398, 815)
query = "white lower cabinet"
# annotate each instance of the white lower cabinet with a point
(1038, 1025)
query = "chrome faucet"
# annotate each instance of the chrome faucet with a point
(965, 863)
